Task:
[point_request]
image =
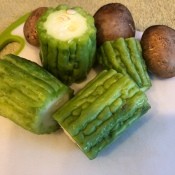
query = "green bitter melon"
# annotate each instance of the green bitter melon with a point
(125, 56)
(29, 95)
(101, 111)
(67, 39)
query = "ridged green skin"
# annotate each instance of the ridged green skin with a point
(70, 61)
(101, 111)
(125, 56)
(26, 93)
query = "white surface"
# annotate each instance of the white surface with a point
(146, 148)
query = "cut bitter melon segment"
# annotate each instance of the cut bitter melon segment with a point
(101, 111)
(125, 56)
(65, 25)
(29, 95)
(67, 42)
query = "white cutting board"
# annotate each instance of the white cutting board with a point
(146, 148)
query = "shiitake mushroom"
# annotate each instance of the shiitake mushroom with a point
(158, 48)
(112, 21)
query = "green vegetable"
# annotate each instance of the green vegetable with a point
(29, 95)
(101, 111)
(68, 42)
(125, 56)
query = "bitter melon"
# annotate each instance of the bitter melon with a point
(29, 95)
(101, 111)
(125, 56)
(67, 39)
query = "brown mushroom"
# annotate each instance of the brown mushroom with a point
(30, 26)
(112, 21)
(158, 45)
